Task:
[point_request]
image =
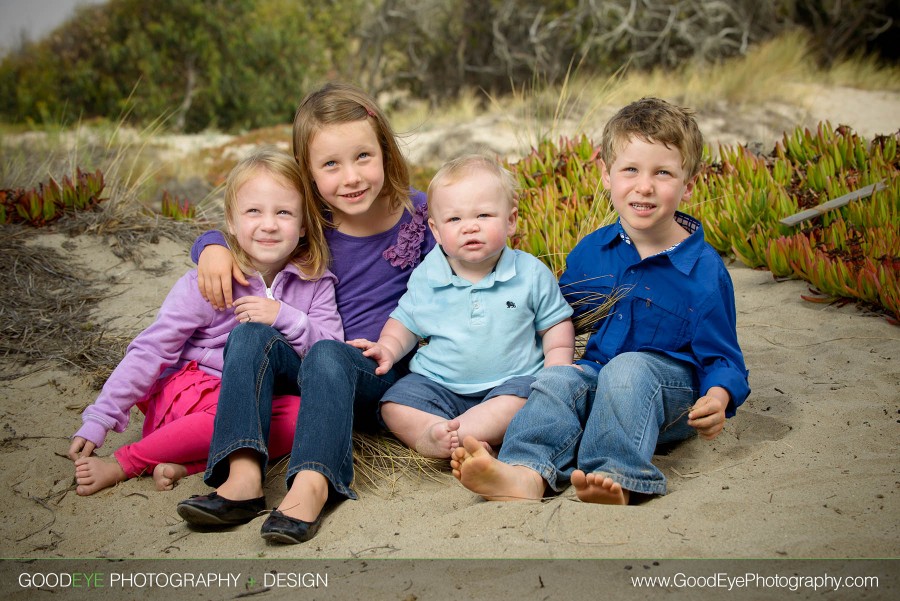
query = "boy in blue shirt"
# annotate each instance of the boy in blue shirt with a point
(492, 316)
(665, 363)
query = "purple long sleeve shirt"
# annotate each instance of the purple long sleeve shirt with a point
(187, 329)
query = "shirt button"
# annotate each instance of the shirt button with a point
(619, 316)
(631, 271)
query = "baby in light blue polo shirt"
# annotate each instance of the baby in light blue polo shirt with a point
(491, 318)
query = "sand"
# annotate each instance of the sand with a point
(807, 469)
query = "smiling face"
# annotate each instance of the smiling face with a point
(647, 182)
(267, 221)
(348, 168)
(471, 218)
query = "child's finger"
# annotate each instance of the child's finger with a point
(226, 298)
(703, 407)
(239, 275)
(359, 343)
(707, 426)
(88, 448)
(214, 293)
(201, 284)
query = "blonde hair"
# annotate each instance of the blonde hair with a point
(311, 256)
(335, 104)
(453, 170)
(655, 120)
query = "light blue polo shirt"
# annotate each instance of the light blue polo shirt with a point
(480, 335)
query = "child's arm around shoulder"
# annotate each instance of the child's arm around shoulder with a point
(215, 269)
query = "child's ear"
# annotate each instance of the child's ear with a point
(434, 230)
(689, 187)
(513, 221)
(604, 174)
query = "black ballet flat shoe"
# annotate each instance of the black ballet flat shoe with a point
(280, 528)
(214, 510)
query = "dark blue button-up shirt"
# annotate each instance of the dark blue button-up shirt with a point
(679, 303)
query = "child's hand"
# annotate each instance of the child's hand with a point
(80, 447)
(708, 413)
(376, 352)
(256, 309)
(215, 268)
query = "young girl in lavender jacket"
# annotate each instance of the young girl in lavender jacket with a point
(172, 370)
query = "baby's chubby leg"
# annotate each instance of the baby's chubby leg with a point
(599, 488)
(93, 474)
(488, 420)
(429, 434)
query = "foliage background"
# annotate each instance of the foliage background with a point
(240, 64)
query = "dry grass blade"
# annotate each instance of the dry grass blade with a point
(130, 228)
(379, 461)
(43, 309)
(597, 306)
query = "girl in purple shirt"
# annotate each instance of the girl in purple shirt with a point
(352, 165)
(171, 370)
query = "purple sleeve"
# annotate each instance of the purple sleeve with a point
(204, 240)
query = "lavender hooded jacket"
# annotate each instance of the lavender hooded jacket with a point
(187, 329)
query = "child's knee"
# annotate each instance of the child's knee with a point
(396, 415)
(623, 371)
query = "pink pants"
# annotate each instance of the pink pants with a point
(180, 413)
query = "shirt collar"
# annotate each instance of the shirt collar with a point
(683, 255)
(439, 274)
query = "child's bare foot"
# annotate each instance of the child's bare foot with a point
(597, 488)
(439, 440)
(478, 470)
(93, 474)
(165, 475)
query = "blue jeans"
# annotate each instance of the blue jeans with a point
(607, 419)
(338, 389)
(259, 363)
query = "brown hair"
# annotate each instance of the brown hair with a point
(311, 256)
(334, 104)
(655, 120)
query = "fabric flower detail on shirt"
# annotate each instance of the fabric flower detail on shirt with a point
(407, 251)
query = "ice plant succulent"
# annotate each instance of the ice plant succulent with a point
(49, 201)
(561, 198)
(177, 209)
(852, 252)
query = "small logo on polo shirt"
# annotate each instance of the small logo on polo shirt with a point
(510, 305)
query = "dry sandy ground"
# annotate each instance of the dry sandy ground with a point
(807, 469)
